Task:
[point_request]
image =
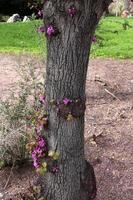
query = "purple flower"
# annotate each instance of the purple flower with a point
(55, 169)
(131, 3)
(40, 13)
(66, 101)
(41, 29)
(51, 30)
(94, 39)
(41, 142)
(33, 155)
(72, 11)
(38, 152)
(36, 164)
(42, 99)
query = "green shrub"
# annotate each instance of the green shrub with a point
(15, 112)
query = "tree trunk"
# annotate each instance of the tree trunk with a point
(67, 61)
(126, 4)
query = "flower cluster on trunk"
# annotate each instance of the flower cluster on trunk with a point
(69, 109)
(44, 160)
(51, 29)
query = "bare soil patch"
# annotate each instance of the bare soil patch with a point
(108, 127)
(110, 122)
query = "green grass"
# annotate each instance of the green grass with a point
(21, 37)
(113, 40)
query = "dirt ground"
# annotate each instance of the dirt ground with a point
(108, 128)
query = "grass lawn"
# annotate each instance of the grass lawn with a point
(21, 37)
(112, 39)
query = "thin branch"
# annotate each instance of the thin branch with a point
(106, 90)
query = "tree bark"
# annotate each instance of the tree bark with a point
(67, 62)
(126, 4)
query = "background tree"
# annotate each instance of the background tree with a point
(69, 26)
(127, 4)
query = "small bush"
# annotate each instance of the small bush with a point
(15, 124)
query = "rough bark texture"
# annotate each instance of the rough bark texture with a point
(67, 62)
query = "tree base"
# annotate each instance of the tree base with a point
(88, 181)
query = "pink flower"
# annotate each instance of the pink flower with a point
(40, 13)
(33, 155)
(41, 142)
(51, 30)
(42, 99)
(55, 169)
(36, 164)
(94, 39)
(41, 29)
(125, 13)
(131, 3)
(38, 152)
(72, 11)
(66, 101)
